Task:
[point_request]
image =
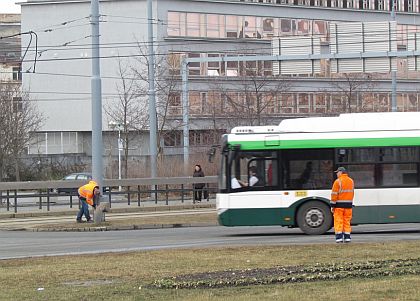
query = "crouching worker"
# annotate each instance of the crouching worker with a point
(87, 194)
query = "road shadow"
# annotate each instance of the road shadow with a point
(399, 231)
(329, 233)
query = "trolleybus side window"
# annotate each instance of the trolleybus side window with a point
(307, 169)
(381, 166)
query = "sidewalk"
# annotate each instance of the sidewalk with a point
(120, 217)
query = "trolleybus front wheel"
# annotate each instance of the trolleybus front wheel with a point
(314, 218)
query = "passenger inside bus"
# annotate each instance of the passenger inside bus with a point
(253, 179)
(235, 183)
(306, 175)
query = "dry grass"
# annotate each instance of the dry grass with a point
(126, 276)
(187, 219)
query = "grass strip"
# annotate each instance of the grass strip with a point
(134, 222)
(130, 276)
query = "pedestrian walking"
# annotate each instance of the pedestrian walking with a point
(198, 187)
(87, 194)
(342, 195)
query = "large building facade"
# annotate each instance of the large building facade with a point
(11, 103)
(222, 94)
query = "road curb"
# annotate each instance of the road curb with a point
(112, 228)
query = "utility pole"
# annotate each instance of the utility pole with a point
(151, 93)
(185, 114)
(96, 91)
(393, 73)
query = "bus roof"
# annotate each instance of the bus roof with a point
(354, 122)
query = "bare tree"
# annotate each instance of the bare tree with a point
(166, 89)
(350, 85)
(19, 119)
(250, 101)
(128, 113)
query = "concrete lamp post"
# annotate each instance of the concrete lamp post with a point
(118, 126)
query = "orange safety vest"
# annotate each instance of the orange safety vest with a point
(342, 193)
(86, 191)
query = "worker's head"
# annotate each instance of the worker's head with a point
(96, 190)
(340, 171)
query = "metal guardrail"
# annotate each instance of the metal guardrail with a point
(14, 194)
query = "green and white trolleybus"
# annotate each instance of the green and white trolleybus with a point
(295, 163)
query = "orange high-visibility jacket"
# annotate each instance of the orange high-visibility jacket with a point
(342, 193)
(86, 191)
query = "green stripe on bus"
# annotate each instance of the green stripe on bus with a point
(386, 214)
(257, 217)
(286, 216)
(326, 143)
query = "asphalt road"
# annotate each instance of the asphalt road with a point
(19, 244)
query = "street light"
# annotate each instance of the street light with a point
(115, 125)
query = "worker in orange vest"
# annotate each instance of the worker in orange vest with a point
(87, 194)
(342, 195)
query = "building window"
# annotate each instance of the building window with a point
(380, 4)
(174, 103)
(195, 103)
(174, 24)
(268, 103)
(17, 73)
(203, 97)
(319, 28)
(205, 137)
(231, 26)
(194, 67)
(195, 138)
(213, 26)
(285, 26)
(303, 27)
(251, 68)
(172, 138)
(232, 68)
(268, 27)
(69, 142)
(267, 68)
(213, 68)
(193, 25)
(287, 104)
(174, 63)
(212, 104)
(249, 28)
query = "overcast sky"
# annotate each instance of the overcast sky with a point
(8, 6)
